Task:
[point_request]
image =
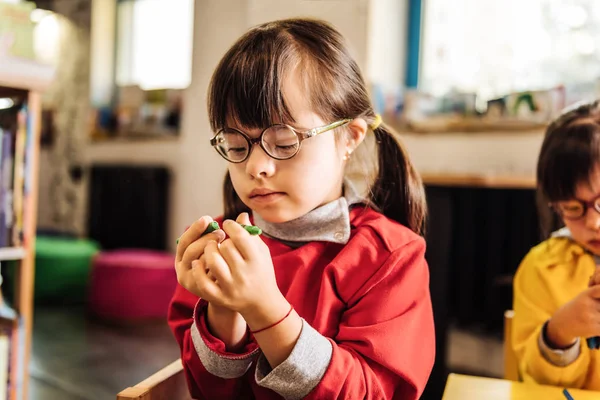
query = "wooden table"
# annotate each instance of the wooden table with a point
(463, 387)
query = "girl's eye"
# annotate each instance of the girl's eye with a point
(571, 208)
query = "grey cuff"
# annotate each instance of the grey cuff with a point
(226, 367)
(302, 371)
(558, 357)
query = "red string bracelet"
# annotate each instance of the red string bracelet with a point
(275, 324)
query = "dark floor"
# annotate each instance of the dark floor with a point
(76, 358)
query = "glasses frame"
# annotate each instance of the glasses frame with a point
(300, 134)
(586, 205)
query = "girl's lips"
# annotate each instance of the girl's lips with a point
(267, 198)
(261, 192)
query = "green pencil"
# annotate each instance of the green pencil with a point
(251, 229)
(213, 226)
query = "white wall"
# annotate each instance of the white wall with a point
(369, 26)
(490, 153)
(386, 43)
(350, 17)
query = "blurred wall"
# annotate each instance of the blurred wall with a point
(197, 169)
(376, 32)
(491, 153)
(62, 190)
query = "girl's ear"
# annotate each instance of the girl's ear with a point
(357, 129)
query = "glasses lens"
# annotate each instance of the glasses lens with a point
(232, 145)
(281, 142)
(570, 209)
(597, 204)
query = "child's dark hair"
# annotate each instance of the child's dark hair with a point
(246, 86)
(569, 154)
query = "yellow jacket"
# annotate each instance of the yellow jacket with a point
(551, 274)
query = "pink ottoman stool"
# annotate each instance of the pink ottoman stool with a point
(131, 285)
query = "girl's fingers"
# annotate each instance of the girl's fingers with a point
(594, 292)
(207, 288)
(201, 264)
(196, 248)
(243, 241)
(243, 219)
(186, 278)
(230, 254)
(595, 279)
(191, 234)
(216, 264)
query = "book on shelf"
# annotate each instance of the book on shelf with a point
(6, 178)
(15, 153)
(9, 329)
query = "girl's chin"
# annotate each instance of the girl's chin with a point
(277, 215)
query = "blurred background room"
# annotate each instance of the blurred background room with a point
(105, 159)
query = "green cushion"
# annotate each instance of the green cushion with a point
(62, 267)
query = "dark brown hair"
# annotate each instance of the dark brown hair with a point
(569, 154)
(246, 86)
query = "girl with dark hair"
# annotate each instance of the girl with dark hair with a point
(556, 291)
(332, 301)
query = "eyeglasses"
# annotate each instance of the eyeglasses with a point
(575, 208)
(279, 141)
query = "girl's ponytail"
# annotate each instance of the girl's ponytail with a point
(398, 190)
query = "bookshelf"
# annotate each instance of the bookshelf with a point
(12, 253)
(26, 79)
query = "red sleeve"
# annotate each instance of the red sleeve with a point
(385, 346)
(202, 383)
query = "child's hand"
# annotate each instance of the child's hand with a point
(190, 248)
(595, 278)
(579, 317)
(238, 274)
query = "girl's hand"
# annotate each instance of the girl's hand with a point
(595, 278)
(190, 248)
(238, 274)
(579, 317)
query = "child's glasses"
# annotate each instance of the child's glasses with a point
(280, 141)
(575, 208)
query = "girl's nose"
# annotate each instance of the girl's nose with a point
(259, 164)
(592, 219)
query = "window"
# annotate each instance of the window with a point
(154, 43)
(493, 47)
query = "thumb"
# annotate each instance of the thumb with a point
(594, 291)
(243, 219)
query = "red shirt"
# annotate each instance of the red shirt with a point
(369, 297)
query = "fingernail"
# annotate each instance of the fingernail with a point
(177, 241)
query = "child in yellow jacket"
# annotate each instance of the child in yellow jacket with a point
(556, 289)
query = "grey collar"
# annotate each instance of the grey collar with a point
(327, 223)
